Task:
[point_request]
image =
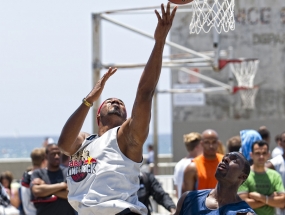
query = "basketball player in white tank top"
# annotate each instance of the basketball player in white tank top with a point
(104, 169)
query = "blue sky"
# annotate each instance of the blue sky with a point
(46, 56)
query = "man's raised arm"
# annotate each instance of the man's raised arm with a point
(137, 126)
(71, 138)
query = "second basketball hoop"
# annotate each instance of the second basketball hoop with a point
(212, 13)
(245, 71)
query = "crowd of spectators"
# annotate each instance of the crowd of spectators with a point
(43, 188)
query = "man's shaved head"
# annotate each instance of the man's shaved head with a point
(209, 142)
(209, 132)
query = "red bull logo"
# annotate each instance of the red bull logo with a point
(80, 165)
(90, 160)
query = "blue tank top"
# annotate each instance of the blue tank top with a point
(194, 203)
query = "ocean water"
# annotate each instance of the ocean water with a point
(21, 147)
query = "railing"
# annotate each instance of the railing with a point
(168, 186)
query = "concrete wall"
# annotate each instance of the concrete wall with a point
(259, 33)
(16, 166)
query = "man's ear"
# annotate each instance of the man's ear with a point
(250, 155)
(98, 118)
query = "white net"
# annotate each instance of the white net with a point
(248, 97)
(212, 13)
(245, 71)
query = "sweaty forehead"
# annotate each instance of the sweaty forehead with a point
(112, 99)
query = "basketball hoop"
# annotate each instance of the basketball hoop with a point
(244, 71)
(248, 95)
(212, 13)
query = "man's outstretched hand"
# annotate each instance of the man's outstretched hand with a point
(98, 88)
(164, 22)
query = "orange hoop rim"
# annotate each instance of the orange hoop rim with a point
(238, 88)
(224, 62)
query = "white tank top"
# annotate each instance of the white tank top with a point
(101, 179)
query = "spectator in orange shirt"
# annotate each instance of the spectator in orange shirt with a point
(200, 174)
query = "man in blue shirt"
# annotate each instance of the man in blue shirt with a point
(223, 199)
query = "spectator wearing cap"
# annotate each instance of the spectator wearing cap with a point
(248, 137)
(194, 148)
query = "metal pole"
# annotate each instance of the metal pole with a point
(155, 132)
(231, 83)
(205, 66)
(216, 44)
(145, 8)
(206, 78)
(204, 90)
(96, 65)
(175, 45)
